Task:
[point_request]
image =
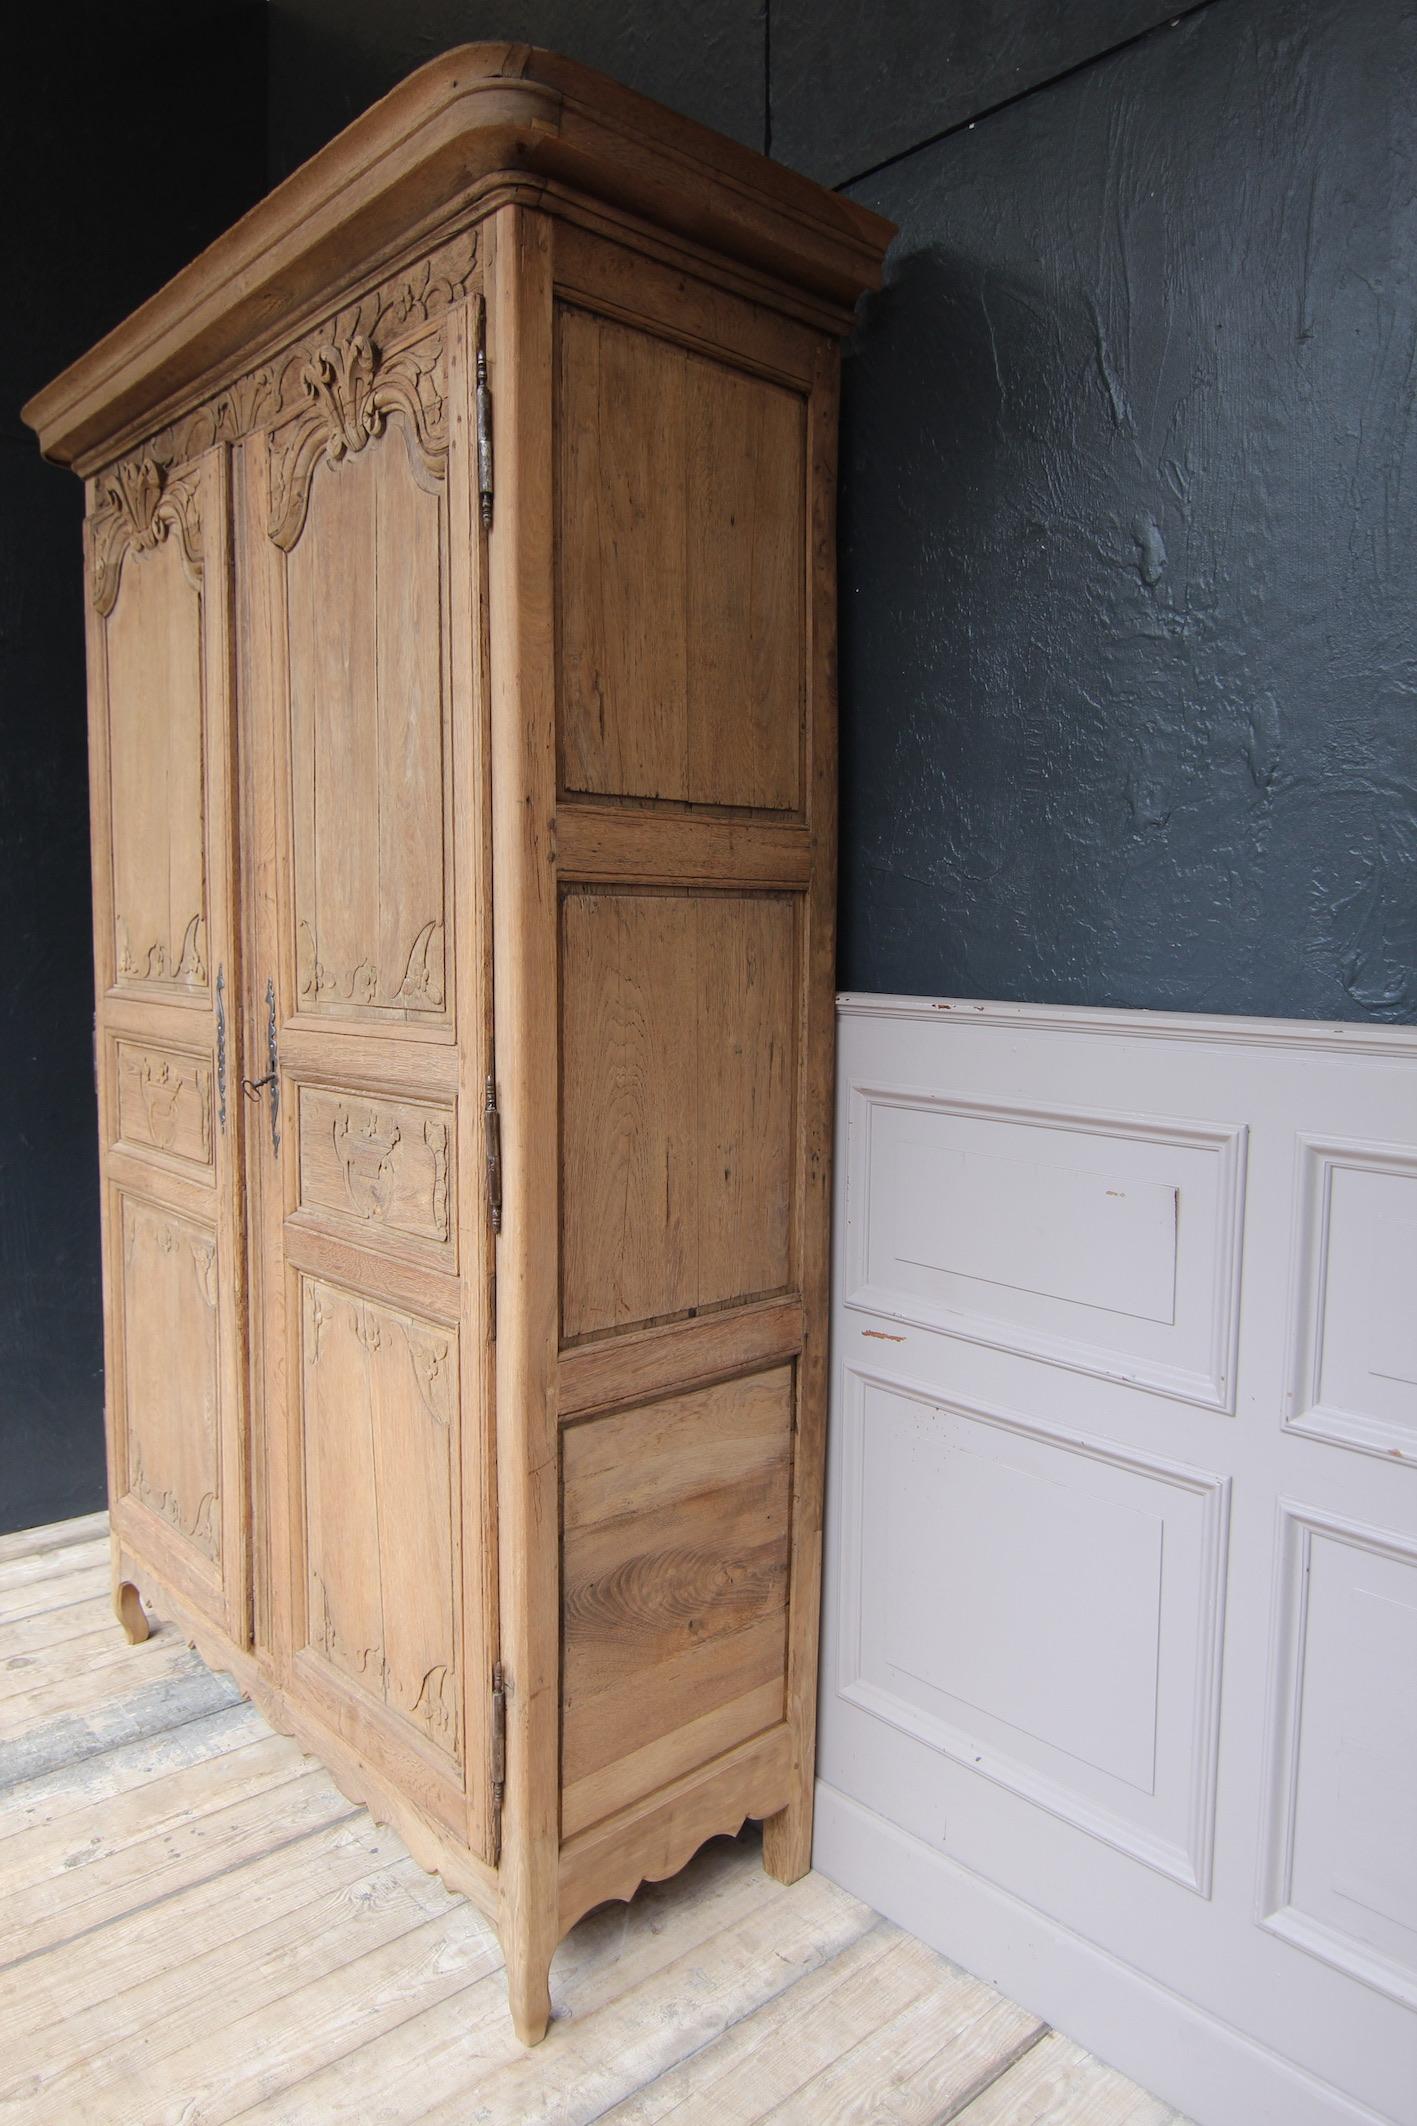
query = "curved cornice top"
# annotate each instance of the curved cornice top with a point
(443, 137)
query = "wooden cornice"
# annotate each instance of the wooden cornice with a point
(460, 131)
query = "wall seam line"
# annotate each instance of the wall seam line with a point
(1036, 88)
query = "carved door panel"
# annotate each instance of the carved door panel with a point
(367, 993)
(161, 766)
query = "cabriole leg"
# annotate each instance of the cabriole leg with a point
(130, 1612)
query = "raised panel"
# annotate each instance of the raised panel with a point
(1044, 1608)
(170, 1438)
(164, 1102)
(1339, 1862)
(1353, 1356)
(380, 1165)
(681, 499)
(678, 1044)
(366, 644)
(1105, 1242)
(378, 1421)
(674, 1586)
(153, 654)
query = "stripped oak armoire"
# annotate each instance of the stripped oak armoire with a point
(461, 606)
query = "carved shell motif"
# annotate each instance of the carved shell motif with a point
(139, 504)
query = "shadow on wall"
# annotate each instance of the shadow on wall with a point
(1127, 661)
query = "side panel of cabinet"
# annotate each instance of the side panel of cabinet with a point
(365, 808)
(695, 716)
(161, 765)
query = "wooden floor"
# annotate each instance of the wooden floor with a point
(195, 1925)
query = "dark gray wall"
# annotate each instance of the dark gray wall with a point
(329, 59)
(116, 165)
(1129, 503)
(1129, 534)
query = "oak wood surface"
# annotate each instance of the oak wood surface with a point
(403, 792)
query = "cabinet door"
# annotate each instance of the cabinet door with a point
(161, 780)
(367, 997)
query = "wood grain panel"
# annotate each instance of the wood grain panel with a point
(678, 1072)
(674, 1583)
(379, 1164)
(165, 1102)
(366, 610)
(156, 773)
(677, 1355)
(681, 507)
(168, 1317)
(378, 1401)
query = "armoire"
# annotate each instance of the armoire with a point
(461, 619)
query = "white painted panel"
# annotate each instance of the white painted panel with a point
(996, 1577)
(1159, 1783)
(1340, 1875)
(1004, 1602)
(972, 1200)
(1107, 1242)
(1354, 1361)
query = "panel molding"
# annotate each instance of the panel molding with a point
(1330, 1036)
(1191, 1862)
(1213, 1388)
(1297, 1527)
(164, 1108)
(1317, 1159)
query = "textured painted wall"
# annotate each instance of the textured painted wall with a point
(116, 166)
(331, 58)
(1129, 534)
(855, 82)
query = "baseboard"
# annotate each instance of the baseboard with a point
(1210, 2072)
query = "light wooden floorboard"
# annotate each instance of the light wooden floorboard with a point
(196, 1926)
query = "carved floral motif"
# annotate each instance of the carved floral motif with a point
(416, 296)
(139, 504)
(149, 963)
(422, 987)
(198, 1527)
(161, 1083)
(350, 392)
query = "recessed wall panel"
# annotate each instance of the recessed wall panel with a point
(1109, 1243)
(1043, 1608)
(1353, 1359)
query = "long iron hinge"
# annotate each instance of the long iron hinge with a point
(499, 1755)
(95, 1054)
(492, 1124)
(483, 403)
(221, 1048)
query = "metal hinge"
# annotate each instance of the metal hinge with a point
(95, 1054)
(482, 399)
(499, 1755)
(221, 1048)
(492, 1124)
(254, 1087)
